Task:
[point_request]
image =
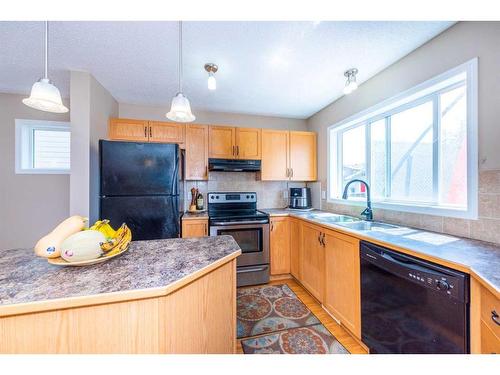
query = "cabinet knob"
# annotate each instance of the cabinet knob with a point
(494, 317)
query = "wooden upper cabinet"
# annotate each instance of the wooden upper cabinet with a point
(196, 159)
(280, 245)
(303, 156)
(128, 130)
(342, 280)
(248, 143)
(222, 142)
(295, 244)
(312, 263)
(275, 146)
(167, 132)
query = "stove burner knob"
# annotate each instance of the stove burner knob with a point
(442, 285)
(216, 197)
(251, 196)
(248, 196)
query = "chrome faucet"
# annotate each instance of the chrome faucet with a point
(367, 213)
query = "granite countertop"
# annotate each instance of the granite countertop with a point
(195, 215)
(481, 258)
(25, 278)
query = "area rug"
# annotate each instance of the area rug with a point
(270, 308)
(304, 340)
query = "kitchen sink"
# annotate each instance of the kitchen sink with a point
(333, 218)
(368, 225)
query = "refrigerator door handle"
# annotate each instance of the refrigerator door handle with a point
(175, 177)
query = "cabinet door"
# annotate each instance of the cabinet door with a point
(280, 245)
(295, 243)
(196, 152)
(312, 261)
(303, 156)
(167, 132)
(194, 228)
(274, 155)
(128, 130)
(490, 343)
(222, 142)
(248, 143)
(342, 280)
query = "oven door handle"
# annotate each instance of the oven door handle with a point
(253, 269)
(224, 223)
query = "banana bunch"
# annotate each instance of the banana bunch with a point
(105, 228)
(118, 243)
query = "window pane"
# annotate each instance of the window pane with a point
(453, 148)
(51, 149)
(411, 154)
(378, 159)
(353, 159)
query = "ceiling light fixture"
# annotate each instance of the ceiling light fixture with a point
(211, 69)
(350, 84)
(44, 95)
(180, 109)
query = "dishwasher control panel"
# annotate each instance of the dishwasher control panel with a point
(441, 283)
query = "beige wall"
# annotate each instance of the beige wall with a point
(92, 106)
(30, 204)
(454, 46)
(133, 111)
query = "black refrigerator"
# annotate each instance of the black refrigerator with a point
(141, 185)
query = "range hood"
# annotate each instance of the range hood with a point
(232, 165)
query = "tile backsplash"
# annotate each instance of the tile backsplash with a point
(485, 228)
(270, 194)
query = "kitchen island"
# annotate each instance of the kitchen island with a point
(162, 296)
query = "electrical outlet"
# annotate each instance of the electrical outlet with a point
(285, 194)
(323, 194)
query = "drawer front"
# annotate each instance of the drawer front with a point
(490, 344)
(490, 311)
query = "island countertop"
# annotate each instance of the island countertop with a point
(479, 258)
(148, 269)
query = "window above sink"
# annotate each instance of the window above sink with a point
(418, 150)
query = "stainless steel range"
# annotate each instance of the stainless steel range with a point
(236, 214)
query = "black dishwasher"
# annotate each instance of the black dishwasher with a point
(412, 306)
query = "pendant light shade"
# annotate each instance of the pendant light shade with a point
(180, 109)
(44, 95)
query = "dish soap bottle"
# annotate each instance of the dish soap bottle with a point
(199, 202)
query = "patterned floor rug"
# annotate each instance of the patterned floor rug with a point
(304, 340)
(270, 308)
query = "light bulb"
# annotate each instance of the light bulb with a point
(212, 82)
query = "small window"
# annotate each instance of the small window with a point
(42, 147)
(418, 151)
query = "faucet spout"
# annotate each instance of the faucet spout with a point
(367, 213)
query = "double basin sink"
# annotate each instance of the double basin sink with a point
(351, 222)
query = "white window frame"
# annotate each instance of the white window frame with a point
(24, 145)
(404, 100)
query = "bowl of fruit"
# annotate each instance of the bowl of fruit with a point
(72, 244)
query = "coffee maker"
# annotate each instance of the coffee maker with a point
(300, 198)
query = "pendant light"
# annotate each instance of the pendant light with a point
(180, 110)
(350, 84)
(211, 69)
(44, 95)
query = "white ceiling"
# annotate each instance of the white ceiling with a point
(289, 69)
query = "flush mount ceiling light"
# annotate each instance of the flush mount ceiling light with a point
(44, 95)
(180, 109)
(211, 69)
(350, 84)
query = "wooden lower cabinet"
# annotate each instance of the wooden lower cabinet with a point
(194, 228)
(280, 245)
(295, 244)
(312, 261)
(200, 317)
(484, 326)
(342, 280)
